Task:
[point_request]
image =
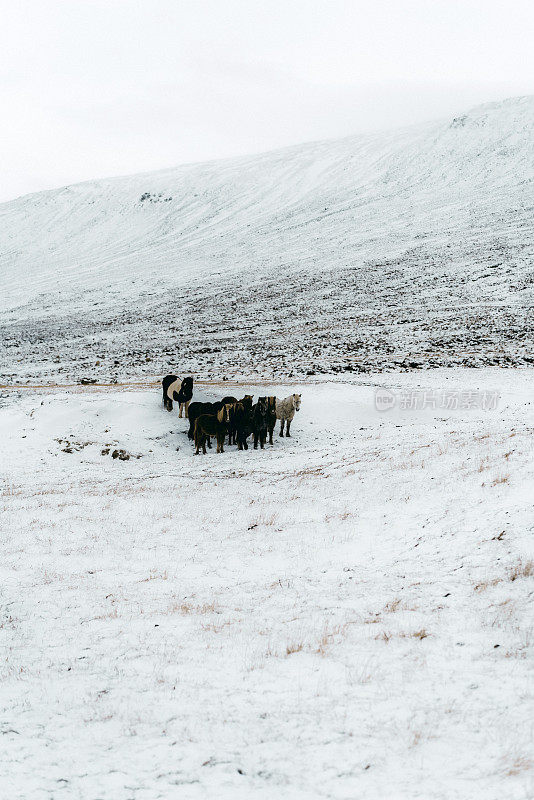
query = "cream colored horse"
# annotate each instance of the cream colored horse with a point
(285, 411)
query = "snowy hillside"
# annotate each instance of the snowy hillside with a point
(411, 247)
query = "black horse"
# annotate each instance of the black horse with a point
(242, 421)
(177, 390)
(271, 416)
(260, 422)
(245, 403)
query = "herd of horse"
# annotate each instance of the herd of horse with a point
(237, 419)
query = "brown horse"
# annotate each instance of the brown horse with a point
(207, 425)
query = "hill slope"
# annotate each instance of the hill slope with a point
(377, 251)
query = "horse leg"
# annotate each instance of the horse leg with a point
(187, 409)
(180, 409)
(255, 440)
(209, 442)
(281, 427)
(288, 423)
(166, 401)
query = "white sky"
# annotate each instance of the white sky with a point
(91, 88)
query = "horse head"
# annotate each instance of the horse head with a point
(262, 406)
(223, 415)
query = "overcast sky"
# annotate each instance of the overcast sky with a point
(92, 88)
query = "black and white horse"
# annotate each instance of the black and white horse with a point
(180, 391)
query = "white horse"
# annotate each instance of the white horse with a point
(285, 411)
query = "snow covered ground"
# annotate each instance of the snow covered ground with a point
(376, 252)
(347, 614)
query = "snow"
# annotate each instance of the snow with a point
(346, 614)
(371, 253)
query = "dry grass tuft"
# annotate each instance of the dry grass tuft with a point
(306, 474)
(342, 515)
(415, 738)
(522, 569)
(500, 479)
(504, 613)
(191, 608)
(421, 634)
(213, 627)
(263, 521)
(155, 576)
(517, 653)
(294, 647)
(483, 585)
(373, 619)
(113, 614)
(11, 491)
(327, 637)
(517, 764)
(385, 636)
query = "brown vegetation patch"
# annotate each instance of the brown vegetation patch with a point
(522, 569)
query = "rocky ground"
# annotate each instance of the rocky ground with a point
(403, 250)
(352, 320)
